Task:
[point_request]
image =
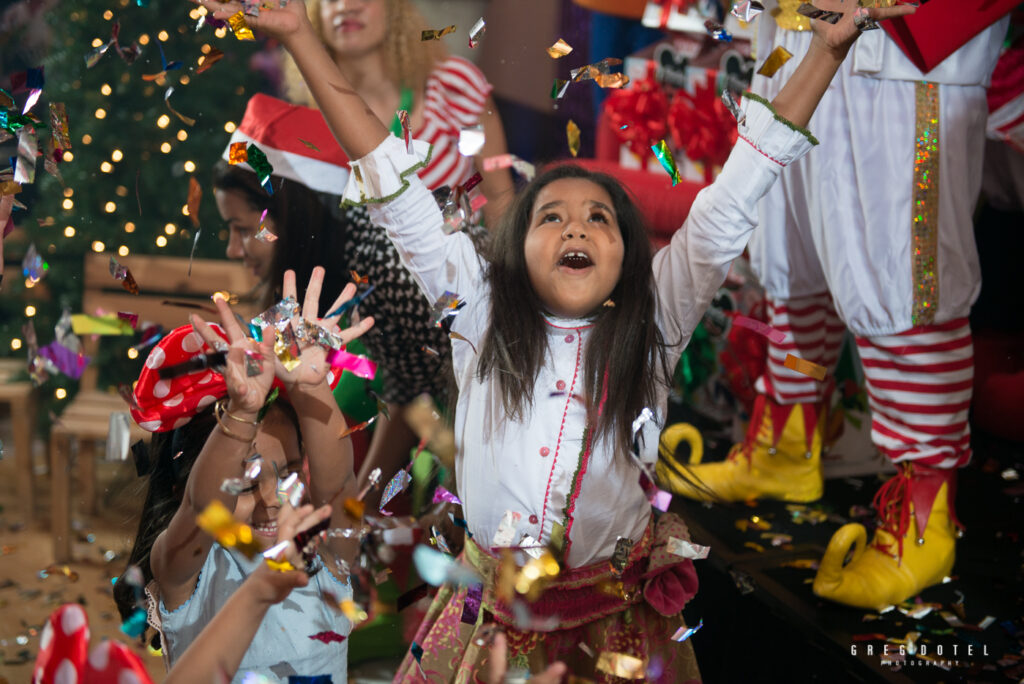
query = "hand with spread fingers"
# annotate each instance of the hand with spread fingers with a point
(313, 367)
(291, 524)
(839, 36)
(282, 22)
(249, 370)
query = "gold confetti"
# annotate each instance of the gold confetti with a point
(436, 34)
(217, 521)
(611, 80)
(776, 59)
(621, 665)
(559, 49)
(309, 145)
(237, 153)
(239, 27)
(806, 367)
(195, 193)
(572, 132)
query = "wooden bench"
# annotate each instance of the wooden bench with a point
(21, 396)
(84, 423)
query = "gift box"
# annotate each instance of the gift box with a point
(674, 95)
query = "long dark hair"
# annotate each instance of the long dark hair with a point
(625, 355)
(171, 456)
(309, 232)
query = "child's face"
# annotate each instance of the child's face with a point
(278, 445)
(353, 28)
(573, 247)
(243, 224)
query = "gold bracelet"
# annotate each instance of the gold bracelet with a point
(223, 409)
(226, 431)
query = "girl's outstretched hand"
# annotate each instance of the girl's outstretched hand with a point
(314, 367)
(282, 23)
(249, 370)
(838, 37)
(292, 521)
(273, 586)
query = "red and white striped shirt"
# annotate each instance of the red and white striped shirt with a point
(456, 94)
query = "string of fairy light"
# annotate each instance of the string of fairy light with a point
(123, 198)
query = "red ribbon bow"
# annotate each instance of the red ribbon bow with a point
(702, 127)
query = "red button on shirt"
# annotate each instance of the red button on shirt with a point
(533, 520)
(560, 384)
(569, 338)
(544, 451)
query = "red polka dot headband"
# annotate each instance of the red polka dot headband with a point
(167, 404)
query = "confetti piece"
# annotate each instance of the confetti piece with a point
(403, 120)
(356, 428)
(572, 132)
(747, 10)
(398, 484)
(558, 88)
(84, 324)
(687, 549)
(436, 34)
(257, 159)
(591, 71)
(506, 531)
(286, 348)
(447, 306)
(358, 279)
(776, 336)
(28, 149)
(32, 266)
(304, 142)
(776, 59)
(717, 31)
(189, 121)
(809, 10)
(559, 49)
(621, 665)
(195, 193)
(477, 32)
(59, 126)
(806, 367)
(664, 155)
(471, 140)
(121, 273)
(436, 568)
(209, 59)
(536, 575)
(237, 153)
(352, 303)
(684, 633)
(442, 494)
(238, 26)
(217, 521)
(611, 80)
(456, 336)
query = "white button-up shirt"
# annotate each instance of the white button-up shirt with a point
(536, 467)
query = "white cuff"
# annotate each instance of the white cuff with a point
(381, 175)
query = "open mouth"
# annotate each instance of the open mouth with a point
(345, 25)
(267, 528)
(575, 260)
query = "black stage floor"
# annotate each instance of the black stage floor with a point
(763, 624)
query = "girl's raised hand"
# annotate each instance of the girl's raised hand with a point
(314, 367)
(292, 521)
(838, 37)
(285, 21)
(249, 369)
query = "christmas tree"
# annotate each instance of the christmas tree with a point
(150, 104)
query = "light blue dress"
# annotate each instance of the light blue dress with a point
(282, 646)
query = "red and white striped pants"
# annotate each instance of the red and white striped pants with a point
(919, 382)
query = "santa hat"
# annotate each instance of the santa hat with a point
(297, 143)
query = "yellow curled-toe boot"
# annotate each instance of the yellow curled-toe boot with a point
(913, 549)
(780, 458)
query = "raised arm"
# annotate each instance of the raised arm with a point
(180, 550)
(328, 450)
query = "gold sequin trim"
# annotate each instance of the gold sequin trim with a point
(788, 18)
(925, 219)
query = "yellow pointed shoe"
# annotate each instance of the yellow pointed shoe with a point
(913, 549)
(780, 458)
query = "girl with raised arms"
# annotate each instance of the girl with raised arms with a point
(568, 333)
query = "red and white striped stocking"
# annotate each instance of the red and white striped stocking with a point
(919, 385)
(814, 332)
